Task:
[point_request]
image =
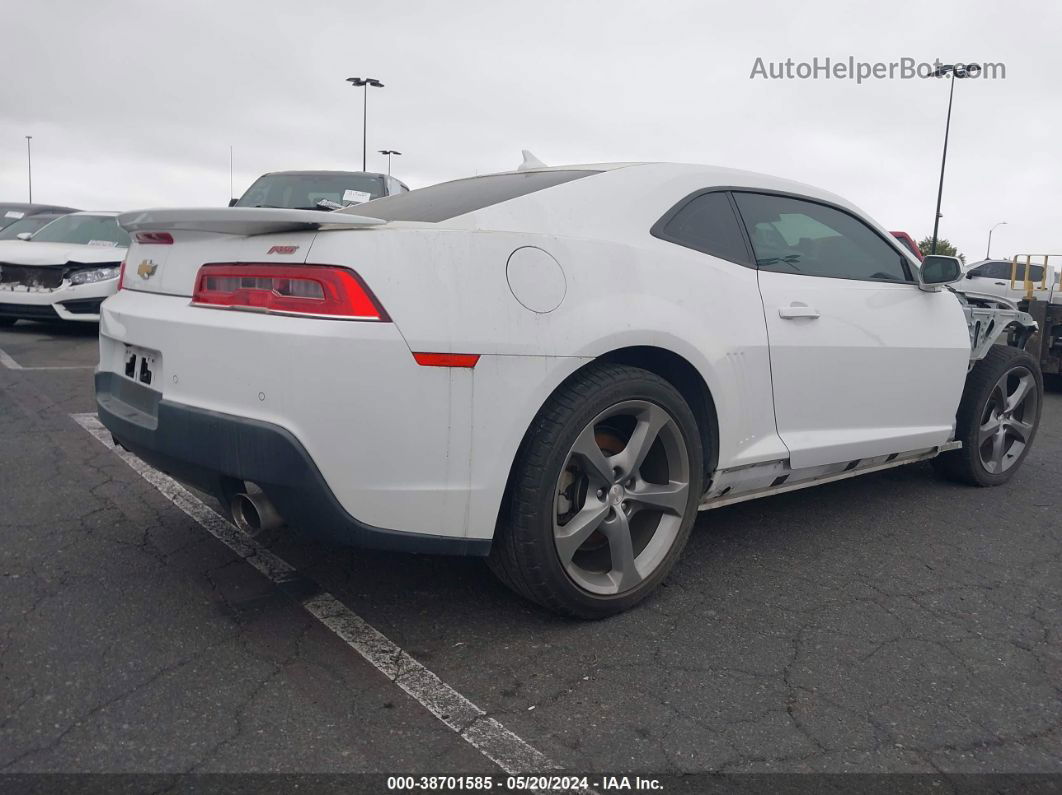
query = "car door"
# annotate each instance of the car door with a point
(992, 277)
(863, 362)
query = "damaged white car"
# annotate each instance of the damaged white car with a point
(64, 271)
(554, 367)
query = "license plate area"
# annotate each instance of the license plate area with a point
(143, 365)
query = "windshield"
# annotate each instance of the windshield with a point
(30, 224)
(9, 213)
(92, 230)
(305, 191)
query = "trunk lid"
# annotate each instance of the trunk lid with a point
(219, 235)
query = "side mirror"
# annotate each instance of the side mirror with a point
(24, 235)
(938, 270)
(232, 202)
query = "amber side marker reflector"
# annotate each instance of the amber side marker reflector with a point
(447, 359)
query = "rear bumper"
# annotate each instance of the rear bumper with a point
(215, 451)
(425, 451)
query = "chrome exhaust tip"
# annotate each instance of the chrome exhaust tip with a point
(253, 513)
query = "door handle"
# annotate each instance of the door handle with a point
(797, 310)
(1001, 284)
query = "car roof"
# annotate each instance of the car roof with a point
(710, 175)
(320, 173)
(39, 208)
(634, 193)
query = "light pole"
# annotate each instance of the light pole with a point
(29, 166)
(988, 251)
(960, 71)
(364, 82)
(389, 152)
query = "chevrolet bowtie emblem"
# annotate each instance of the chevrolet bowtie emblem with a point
(147, 269)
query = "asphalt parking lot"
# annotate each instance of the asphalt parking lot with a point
(891, 623)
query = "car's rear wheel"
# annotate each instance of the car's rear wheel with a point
(997, 418)
(603, 493)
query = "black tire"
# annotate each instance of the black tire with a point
(979, 408)
(525, 553)
(8, 321)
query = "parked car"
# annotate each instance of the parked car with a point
(993, 277)
(909, 244)
(555, 368)
(64, 272)
(24, 228)
(318, 190)
(11, 212)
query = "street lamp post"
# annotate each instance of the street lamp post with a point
(29, 166)
(960, 71)
(988, 251)
(364, 83)
(389, 152)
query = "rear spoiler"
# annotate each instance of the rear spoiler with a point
(239, 220)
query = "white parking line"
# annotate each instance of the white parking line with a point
(8, 362)
(485, 734)
(11, 364)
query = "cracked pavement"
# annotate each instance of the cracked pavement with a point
(890, 623)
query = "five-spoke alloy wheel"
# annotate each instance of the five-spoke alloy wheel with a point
(603, 494)
(621, 497)
(1008, 420)
(997, 418)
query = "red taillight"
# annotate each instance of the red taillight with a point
(121, 272)
(446, 359)
(317, 290)
(154, 238)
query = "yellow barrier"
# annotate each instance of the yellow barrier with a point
(1029, 285)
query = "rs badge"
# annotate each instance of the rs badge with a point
(147, 269)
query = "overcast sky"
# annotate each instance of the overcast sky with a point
(134, 104)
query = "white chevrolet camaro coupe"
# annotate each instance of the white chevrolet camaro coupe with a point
(64, 271)
(555, 368)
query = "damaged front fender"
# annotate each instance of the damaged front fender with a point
(989, 317)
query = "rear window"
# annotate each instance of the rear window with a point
(450, 199)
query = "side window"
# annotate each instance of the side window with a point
(1036, 272)
(798, 236)
(993, 270)
(706, 223)
(1000, 270)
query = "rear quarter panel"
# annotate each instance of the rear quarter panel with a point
(447, 291)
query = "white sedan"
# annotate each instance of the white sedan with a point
(64, 271)
(555, 368)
